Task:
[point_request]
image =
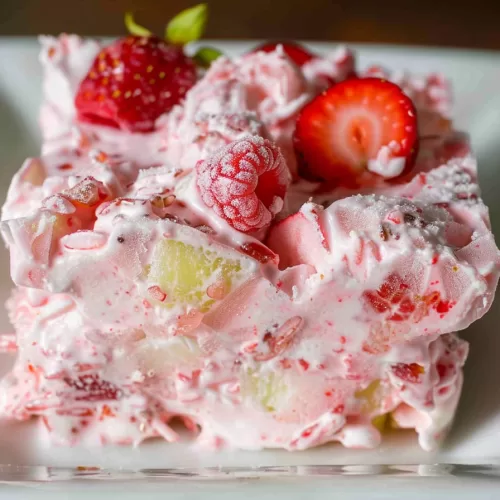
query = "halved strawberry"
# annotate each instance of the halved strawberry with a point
(356, 127)
(297, 53)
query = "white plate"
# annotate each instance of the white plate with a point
(475, 438)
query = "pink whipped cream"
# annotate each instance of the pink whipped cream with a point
(135, 303)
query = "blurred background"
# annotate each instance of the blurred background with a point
(424, 22)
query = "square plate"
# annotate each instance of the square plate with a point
(474, 443)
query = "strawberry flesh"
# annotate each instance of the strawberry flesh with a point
(297, 53)
(341, 134)
(132, 82)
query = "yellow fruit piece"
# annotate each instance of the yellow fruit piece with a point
(269, 390)
(381, 422)
(370, 397)
(184, 273)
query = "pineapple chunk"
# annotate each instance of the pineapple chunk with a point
(381, 422)
(370, 398)
(268, 390)
(185, 273)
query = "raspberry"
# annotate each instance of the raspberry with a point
(244, 182)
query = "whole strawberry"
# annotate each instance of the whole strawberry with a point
(137, 78)
(133, 81)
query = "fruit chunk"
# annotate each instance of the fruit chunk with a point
(86, 196)
(268, 390)
(380, 422)
(299, 239)
(33, 172)
(408, 372)
(185, 274)
(133, 81)
(357, 125)
(244, 182)
(297, 53)
(397, 301)
(370, 398)
(90, 387)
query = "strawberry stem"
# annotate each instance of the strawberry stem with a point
(205, 56)
(134, 28)
(187, 26)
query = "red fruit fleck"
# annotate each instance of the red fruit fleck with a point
(338, 409)
(394, 218)
(281, 340)
(91, 387)
(285, 363)
(376, 302)
(132, 82)
(391, 287)
(406, 306)
(306, 433)
(342, 130)
(259, 252)
(304, 364)
(157, 293)
(432, 298)
(408, 372)
(106, 412)
(244, 182)
(444, 306)
(393, 296)
(297, 53)
(442, 370)
(396, 317)
(65, 166)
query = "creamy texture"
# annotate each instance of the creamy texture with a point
(135, 303)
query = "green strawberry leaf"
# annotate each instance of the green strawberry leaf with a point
(205, 56)
(134, 28)
(188, 25)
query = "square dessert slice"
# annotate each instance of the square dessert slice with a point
(266, 261)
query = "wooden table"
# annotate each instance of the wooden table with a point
(425, 22)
